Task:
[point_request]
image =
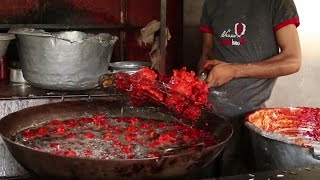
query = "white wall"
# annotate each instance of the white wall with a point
(303, 88)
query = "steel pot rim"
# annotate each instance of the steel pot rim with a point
(298, 141)
(102, 38)
(129, 64)
(7, 36)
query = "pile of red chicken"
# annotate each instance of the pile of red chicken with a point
(292, 122)
(182, 93)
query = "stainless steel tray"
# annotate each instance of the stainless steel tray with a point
(128, 66)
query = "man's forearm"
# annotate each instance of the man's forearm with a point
(279, 65)
(285, 63)
(206, 50)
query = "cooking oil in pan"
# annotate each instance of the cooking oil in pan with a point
(103, 137)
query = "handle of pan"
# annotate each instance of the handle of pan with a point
(181, 150)
(107, 80)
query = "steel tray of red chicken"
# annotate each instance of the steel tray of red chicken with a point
(300, 126)
(183, 93)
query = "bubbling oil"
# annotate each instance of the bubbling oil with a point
(103, 137)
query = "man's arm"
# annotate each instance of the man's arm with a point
(207, 46)
(288, 61)
(285, 63)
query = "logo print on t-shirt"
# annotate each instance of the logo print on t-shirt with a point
(235, 39)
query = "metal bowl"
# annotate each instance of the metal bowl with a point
(68, 60)
(128, 66)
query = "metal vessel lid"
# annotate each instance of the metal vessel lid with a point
(130, 64)
(29, 31)
(69, 36)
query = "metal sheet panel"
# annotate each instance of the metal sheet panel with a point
(8, 166)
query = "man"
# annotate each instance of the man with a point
(241, 42)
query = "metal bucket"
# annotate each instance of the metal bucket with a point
(68, 60)
(273, 151)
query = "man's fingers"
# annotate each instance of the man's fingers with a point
(212, 80)
(209, 64)
(213, 84)
(212, 63)
(210, 76)
(210, 85)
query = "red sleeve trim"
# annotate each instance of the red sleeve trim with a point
(205, 29)
(294, 21)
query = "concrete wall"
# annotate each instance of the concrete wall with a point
(301, 89)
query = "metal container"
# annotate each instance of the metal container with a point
(16, 76)
(68, 60)
(172, 164)
(128, 66)
(274, 152)
(5, 39)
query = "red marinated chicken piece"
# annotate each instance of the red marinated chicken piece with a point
(143, 87)
(122, 81)
(185, 95)
(189, 85)
(145, 75)
(189, 95)
(140, 85)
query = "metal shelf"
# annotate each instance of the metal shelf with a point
(124, 27)
(163, 25)
(17, 91)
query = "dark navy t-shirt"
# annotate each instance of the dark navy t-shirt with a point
(244, 31)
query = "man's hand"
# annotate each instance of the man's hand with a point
(220, 72)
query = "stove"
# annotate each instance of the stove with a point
(312, 173)
(18, 177)
(295, 174)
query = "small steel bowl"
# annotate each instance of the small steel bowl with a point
(128, 66)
